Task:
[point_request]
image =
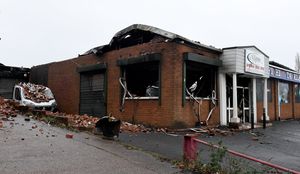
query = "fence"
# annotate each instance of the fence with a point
(191, 148)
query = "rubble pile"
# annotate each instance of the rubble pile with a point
(36, 93)
(7, 107)
(128, 127)
(84, 121)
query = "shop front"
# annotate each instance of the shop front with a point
(243, 68)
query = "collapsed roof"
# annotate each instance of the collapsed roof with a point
(13, 72)
(139, 33)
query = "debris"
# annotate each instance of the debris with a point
(264, 142)
(34, 126)
(68, 135)
(110, 126)
(233, 125)
(36, 93)
(7, 107)
(4, 119)
(211, 132)
(256, 134)
(1, 124)
(174, 135)
(41, 131)
(10, 119)
(128, 127)
(84, 121)
(198, 130)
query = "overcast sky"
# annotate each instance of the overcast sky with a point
(35, 32)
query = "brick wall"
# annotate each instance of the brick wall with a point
(287, 110)
(64, 81)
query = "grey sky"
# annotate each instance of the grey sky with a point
(35, 32)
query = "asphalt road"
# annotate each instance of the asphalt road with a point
(46, 150)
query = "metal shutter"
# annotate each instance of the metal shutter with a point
(92, 100)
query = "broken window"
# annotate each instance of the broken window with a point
(142, 79)
(200, 79)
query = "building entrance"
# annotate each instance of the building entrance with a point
(243, 99)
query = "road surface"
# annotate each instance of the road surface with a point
(36, 147)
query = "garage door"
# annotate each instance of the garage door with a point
(92, 94)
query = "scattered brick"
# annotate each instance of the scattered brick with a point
(69, 135)
(36, 93)
(128, 127)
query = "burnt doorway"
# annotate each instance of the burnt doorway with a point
(92, 93)
(243, 98)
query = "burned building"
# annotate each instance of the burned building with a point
(9, 76)
(144, 75)
(152, 76)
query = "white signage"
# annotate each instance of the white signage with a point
(254, 62)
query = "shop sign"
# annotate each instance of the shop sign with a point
(284, 75)
(254, 62)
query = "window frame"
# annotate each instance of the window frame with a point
(193, 57)
(155, 57)
(288, 94)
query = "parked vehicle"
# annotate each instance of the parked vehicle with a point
(37, 97)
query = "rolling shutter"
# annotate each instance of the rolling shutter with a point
(92, 94)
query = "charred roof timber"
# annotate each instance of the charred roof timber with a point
(139, 33)
(13, 72)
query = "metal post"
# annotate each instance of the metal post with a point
(264, 118)
(189, 148)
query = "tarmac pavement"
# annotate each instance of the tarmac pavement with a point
(38, 148)
(278, 144)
